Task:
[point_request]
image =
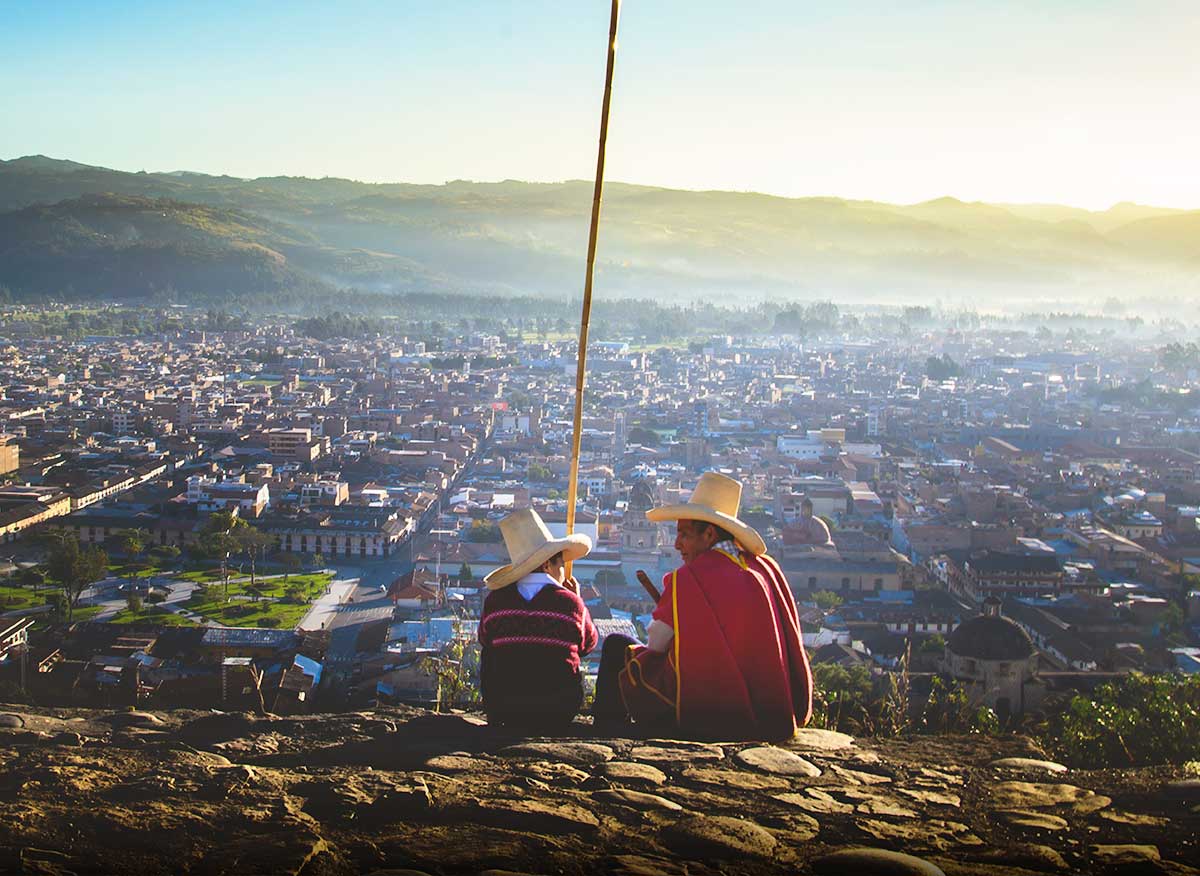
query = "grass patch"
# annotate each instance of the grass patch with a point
(127, 571)
(82, 613)
(201, 576)
(151, 614)
(311, 586)
(244, 613)
(14, 598)
(269, 611)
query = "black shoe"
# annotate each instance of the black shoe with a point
(611, 725)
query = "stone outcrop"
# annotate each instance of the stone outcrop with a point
(405, 791)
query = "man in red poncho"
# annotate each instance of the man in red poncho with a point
(724, 656)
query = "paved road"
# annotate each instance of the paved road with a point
(324, 611)
(368, 606)
(365, 604)
(112, 600)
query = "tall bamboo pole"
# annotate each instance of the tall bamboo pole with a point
(585, 317)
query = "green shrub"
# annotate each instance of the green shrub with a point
(841, 697)
(58, 605)
(854, 700)
(1141, 719)
(950, 710)
(456, 669)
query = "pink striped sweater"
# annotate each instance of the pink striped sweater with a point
(534, 643)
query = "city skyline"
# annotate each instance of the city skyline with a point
(1071, 103)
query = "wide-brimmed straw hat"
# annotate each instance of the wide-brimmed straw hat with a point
(715, 500)
(529, 545)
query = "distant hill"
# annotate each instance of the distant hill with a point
(134, 247)
(1174, 237)
(68, 227)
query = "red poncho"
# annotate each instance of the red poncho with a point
(736, 667)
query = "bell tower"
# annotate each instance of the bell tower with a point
(637, 533)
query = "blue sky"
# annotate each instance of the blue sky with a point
(1084, 102)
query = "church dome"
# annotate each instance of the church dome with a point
(990, 638)
(641, 497)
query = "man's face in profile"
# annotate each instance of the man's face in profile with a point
(692, 538)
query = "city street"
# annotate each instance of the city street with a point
(365, 604)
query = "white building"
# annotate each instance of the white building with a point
(324, 493)
(213, 495)
(816, 443)
(125, 422)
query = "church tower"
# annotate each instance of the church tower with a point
(639, 535)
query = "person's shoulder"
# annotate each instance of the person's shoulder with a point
(767, 560)
(713, 564)
(497, 597)
(563, 597)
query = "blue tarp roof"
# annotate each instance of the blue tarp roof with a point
(1062, 547)
(309, 667)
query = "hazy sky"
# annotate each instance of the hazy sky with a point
(1085, 102)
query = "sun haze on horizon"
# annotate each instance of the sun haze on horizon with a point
(1080, 102)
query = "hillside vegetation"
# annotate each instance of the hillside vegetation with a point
(71, 230)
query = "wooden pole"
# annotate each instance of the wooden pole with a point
(585, 317)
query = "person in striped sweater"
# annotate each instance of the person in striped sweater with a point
(534, 629)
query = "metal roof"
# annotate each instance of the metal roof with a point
(246, 636)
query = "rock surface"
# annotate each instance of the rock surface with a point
(874, 862)
(405, 791)
(778, 761)
(718, 836)
(1028, 764)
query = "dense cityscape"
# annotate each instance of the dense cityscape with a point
(248, 517)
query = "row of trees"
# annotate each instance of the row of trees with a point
(225, 536)
(1179, 358)
(73, 568)
(942, 368)
(75, 324)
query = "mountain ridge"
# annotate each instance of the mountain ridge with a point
(513, 236)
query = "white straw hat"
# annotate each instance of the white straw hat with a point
(715, 500)
(529, 545)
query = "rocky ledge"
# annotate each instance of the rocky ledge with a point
(401, 791)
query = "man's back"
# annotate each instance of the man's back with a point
(532, 649)
(737, 657)
(755, 624)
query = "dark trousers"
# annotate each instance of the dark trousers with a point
(542, 711)
(608, 705)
